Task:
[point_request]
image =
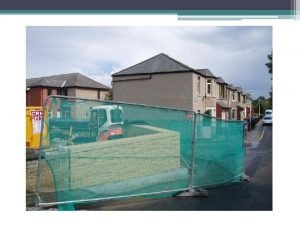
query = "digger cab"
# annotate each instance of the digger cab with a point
(107, 122)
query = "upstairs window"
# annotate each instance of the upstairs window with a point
(209, 87)
(233, 96)
(223, 93)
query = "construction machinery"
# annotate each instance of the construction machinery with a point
(105, 123)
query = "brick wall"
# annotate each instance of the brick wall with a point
(34, 97)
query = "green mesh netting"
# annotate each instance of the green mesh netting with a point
(219, 155)
(101, 150)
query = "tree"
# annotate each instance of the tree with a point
(109, 95)
(269, 65)
(260, 105)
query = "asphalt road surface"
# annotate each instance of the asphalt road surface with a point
(255, 195)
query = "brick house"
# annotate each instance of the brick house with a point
(72, 84)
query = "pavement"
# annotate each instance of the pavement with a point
(256, 133)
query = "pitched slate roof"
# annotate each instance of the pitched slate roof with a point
(230, 86)
(160, 63)
(239, 89)
(65, 80)
(221, 81)
(206, 73)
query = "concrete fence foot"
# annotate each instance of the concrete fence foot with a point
(200, 192)
(245, 178)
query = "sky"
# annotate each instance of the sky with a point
(236, 53)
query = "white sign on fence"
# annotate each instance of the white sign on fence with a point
(36, 116)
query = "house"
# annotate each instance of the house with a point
(164, 81)
(247, 105)
(231, 90)
(240, 106)
(210, 92)
(222, 104)
(72, 84)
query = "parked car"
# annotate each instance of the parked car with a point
(267, 120)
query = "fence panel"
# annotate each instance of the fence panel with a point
(97, 150)
(100, 150)
(219, 152)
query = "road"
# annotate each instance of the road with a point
(254, 195)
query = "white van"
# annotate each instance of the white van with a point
(268, 112)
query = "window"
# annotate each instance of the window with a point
(49, 91)
(102, 117)
(223, 93)
(94, 123)
(198, 85)
(233, 96)
(98, 119)
(209, 87)
(116, 115)
(94, 117)
(233, 114)
(239, 97)
(98, 94)
(65, 91)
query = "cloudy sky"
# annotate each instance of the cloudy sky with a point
(238, 54)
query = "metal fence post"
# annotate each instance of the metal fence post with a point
(37, 187)
(200, 191)
(192, 168)
(244, 177)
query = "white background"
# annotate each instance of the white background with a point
(286, 127)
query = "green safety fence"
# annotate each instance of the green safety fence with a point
(219, 154)
(98, 150)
